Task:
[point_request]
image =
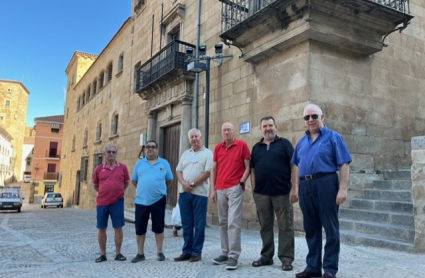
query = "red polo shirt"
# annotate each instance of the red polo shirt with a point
(111, 183)
(230, 163)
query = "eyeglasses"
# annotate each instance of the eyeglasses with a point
(151, 147)
(111, 152)
(307, 117)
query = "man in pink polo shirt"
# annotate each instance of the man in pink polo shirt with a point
(110, 179)
(229, 172)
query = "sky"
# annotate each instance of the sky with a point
(39, 37)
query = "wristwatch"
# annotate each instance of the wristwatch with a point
(192, 184)
(242, 183)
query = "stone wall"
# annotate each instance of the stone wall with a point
(418, 190)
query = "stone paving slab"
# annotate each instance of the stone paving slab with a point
(62, 242)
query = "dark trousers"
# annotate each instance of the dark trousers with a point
(317, 200)
(267, 207)
(193, 211)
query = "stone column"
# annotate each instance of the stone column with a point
(185, 124)
(152, 120)
(418, 191)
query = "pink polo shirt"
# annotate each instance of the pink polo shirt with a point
(111, 183)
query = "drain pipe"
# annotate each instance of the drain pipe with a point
(196, 91)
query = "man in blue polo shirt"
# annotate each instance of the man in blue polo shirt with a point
(151, 176)
(318, 155)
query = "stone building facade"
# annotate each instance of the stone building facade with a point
(342, 55)
(13, 113)
(6, 153)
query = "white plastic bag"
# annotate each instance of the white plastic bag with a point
(175, 216)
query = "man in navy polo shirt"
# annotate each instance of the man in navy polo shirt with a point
(319, 154)
(151, 176)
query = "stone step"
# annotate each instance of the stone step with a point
(378, 230)
(398, 175)
(392, 184)
(392, 218)
(393, 195)
(382, 205)
(357, 238)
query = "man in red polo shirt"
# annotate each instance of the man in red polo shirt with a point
(229, 172)
(110, 179)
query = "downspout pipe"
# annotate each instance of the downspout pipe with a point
(196, 90)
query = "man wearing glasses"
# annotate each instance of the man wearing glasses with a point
(151, 176)
(318, 155)
(229, 173)
(110, 179)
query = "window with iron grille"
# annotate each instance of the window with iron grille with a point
(98, 131)
(109, 71)
(84, 168)
(114, 124)
(101, 77)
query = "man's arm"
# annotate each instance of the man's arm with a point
(168, 183)
(344, 172)
(126, 184)
(213, 176)
(134, 183)
(185, 184)
(96, 187)
(252, 178)
(293, 194)
(246, 173)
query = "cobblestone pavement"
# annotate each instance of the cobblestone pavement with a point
(62, 242)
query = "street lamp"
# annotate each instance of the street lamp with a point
(196, 66)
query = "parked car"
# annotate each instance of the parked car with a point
(11, 198)
(27, 178)
(52, 199)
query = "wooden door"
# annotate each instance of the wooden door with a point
(171, 146)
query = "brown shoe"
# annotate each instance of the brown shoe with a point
(183, 257)
(328, 275)
(308, 274)
(195, 258)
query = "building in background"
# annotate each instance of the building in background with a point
(6, 155)
(46, 158)
(343, 55)
(13, 111)
(27, 153)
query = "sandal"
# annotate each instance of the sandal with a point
(120, 257)
(262, 262)
(102, 258)
(286, 266)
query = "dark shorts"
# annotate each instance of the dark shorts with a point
(115, 210)
(157, 213)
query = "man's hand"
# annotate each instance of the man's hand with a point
(293, 195)
(187, 187)
(213, 196)
(341, 196)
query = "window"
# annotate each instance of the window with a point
(84, 98)
(28, 161)
(99, 131)
(109, 72)
(139, 5)
(54, 127)
(114, 125)
(73, 144)
(87, 95)
(121, 62)
(84, 168)
(94, 86)
(78, 103)
(53, 150)
(101, 77)
(86, 134)
(7, 102)
(97, 159)
(89, 92)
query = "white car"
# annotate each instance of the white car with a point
(52, 199)
(11, 198)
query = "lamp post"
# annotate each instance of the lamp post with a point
(196, 66)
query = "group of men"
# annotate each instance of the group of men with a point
(280, 176)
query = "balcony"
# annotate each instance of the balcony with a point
(51, 176)
(262, 27)
(52, 154)
(165, 68)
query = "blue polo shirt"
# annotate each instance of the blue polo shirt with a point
(151, 178)
(325, 154)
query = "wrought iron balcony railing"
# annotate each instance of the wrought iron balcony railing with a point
(171, 57)
(234, 12)
(51, 175)
(52, 154)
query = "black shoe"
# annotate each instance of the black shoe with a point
(102, 258)
(138, 258)
(195, 258)
(183, 257)
(308, 274)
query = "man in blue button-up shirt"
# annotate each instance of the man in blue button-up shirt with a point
(319, 154)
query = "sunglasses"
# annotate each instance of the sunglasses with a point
(151, 147)
(314, 117)
(111, 152)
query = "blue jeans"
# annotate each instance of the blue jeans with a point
(319, 208)
(193, 210)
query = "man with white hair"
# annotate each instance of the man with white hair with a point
(318, 155)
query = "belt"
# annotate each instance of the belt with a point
(315, 176)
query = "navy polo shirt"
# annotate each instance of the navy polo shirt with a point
(325, 154)
(272, 165)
